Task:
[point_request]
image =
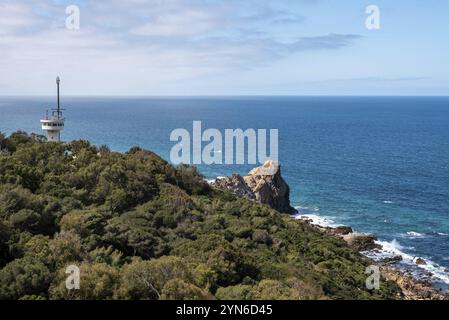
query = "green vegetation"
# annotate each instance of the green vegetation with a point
(139, 228)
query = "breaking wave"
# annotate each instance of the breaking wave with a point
(435, 272)
(311, 214)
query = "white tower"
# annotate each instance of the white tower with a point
(55, 123)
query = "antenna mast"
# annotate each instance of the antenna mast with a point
(58, 80)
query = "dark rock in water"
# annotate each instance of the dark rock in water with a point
(391, 260)
(361, 241)
(428, 274)
(263, 184)
(343, 230)
(421, 262)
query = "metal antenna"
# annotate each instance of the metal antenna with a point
(58, 80)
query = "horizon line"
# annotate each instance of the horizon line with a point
(232, 96)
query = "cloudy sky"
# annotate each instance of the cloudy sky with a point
(225, 47)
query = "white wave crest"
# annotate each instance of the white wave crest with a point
(394, 248)
(413, 234)
(209, 181)
(389, 249)
(304, 213)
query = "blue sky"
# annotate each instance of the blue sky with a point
(225, 47)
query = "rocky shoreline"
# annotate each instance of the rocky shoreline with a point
(265, 185)
(412, 288)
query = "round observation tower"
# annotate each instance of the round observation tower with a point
(54, 123)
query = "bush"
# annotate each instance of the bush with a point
(238, 292)
(22, 277)
(146, 279)
(98, 281)
(66, 248)
(262, 237)
(25, 219)
(178, 289)
(5, 234)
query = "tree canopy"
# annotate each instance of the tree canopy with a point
(140, 228)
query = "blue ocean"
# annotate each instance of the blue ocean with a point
(378, 164)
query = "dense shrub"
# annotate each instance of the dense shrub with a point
(22, 277)
(139, 228)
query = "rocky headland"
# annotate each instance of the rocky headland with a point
(266, 185)
(263, 184)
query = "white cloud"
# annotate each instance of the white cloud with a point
(141, 46)
(15, 17)
(180, 23)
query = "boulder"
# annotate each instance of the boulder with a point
(420, 261)
(361, 241)
(391, 260)
(342, 230)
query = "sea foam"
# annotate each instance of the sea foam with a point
(394, 248)
(389, 248)
(413, 234)
(307, 213)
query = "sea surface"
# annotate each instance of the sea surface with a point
(378, 164)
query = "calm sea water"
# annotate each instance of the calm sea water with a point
(378, 164)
